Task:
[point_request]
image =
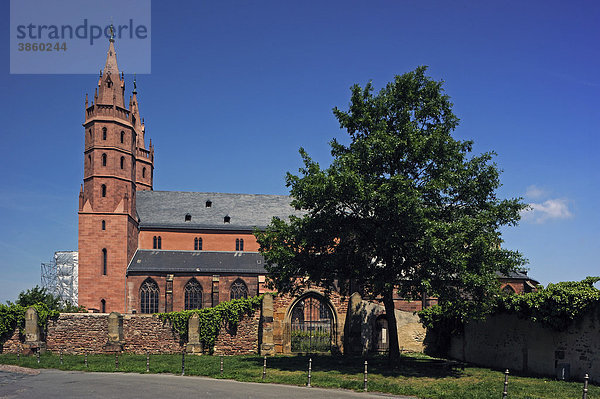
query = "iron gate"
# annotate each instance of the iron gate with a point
(312, 325)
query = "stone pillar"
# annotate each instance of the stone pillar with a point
(115, 333)
(215, 291)
(169, 293)
(353, 326)
(33, 336)
(194, 345)
(266, 321)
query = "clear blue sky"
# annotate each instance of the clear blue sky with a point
(237, 87)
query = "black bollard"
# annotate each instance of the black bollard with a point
(61, 358)
(85, 360)
(183, 362)
(19, 354)
(116, 361)
(366, 381)
(309, 372)
(147, 362)
(585, 386)
(264, 368)
(505, 392)
(38, 355)
(221, 365)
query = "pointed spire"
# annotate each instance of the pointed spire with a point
(111, 57)
(134, 85)
(86, 100)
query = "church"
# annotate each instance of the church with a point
(146, 251)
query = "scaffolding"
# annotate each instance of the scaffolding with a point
(59, 276)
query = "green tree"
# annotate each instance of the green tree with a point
(39, 294)
(402, 208)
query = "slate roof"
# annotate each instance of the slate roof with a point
(167, 209)
(152, 260)
(517, 275)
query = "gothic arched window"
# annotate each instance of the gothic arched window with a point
(239, 289)
(122, 136)
(104, 225)
(156, 242)
(198, 244)
(103, 133)
(103, 306)
(193, 295)
(103, 189)
(103, 159)
(149, 296)
(122, 162)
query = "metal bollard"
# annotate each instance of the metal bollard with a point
(116, 361)
(366, 381)
(221, 365)
(147, 362)
(19, 354)
(183, 362)
(38, 356)
(85, 360)
(61, 358)
(264, 368)
(585, 386)
(309, 372)
(505, 392)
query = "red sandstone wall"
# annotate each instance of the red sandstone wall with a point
(147, 333)
(78, 333)
(241, 341)
(213, 241)
(13, 344)
(179, 281)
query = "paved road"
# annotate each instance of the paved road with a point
(74, 384)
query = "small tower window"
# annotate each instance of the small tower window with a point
(226, 219)
(104, 225)
(103, 159)
(103, 306)
(208, 204)
(198, 244)
(103, 133)
(90, 160)
(90, 133)
(188, 217)
(103, 189)
(122, 162)
(122, 136)
(104, 261)
(156, 242)
(239, 244)
(143, 172)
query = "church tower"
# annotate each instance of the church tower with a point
(116, 165)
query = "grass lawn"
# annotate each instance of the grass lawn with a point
(417, 375)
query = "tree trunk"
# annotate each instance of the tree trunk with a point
(394, 350)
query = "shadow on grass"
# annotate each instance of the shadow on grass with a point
(407, 366)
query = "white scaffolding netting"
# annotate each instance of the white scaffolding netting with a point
(59, 276)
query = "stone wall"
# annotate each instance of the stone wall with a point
(361, 324)
(242, 340)
(505, 341)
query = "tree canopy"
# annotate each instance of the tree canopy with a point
(403, 208)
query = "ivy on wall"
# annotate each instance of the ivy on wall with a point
(555, 306)
(212, 319)
(13, 316)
